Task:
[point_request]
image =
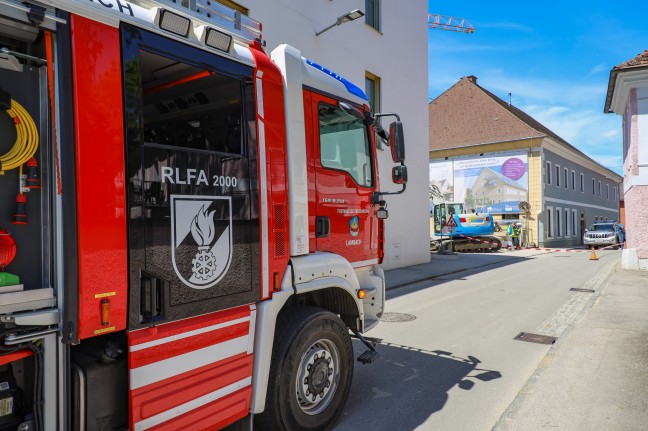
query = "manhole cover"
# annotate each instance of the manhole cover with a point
(397, 317)
(535, 338)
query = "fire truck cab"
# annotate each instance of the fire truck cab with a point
(190, 228)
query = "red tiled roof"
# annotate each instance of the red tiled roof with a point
(467, 114)
(640, 60)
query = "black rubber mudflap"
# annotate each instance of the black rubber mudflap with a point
(368, 357)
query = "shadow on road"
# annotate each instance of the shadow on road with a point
(405, 386)
(443, 268)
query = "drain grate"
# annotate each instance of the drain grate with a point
(397, 317)
(535, 338)
(578, 289)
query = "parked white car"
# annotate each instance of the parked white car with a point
(601, 235)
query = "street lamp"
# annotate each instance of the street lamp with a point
(354, 14)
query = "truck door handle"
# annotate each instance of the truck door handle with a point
(322, 227)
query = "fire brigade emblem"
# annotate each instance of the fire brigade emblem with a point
(354, 226)
(201, 238)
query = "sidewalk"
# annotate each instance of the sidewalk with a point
(596, 375)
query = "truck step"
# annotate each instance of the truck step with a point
(372, 340)
(368, 357)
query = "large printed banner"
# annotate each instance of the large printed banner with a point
(494, 184)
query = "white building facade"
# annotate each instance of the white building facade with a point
(384, 53)
(628, 96)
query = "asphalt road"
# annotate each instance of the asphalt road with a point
(448, 359)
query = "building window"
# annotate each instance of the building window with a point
(548, 172)
(372, 13)
(607, 191)
(599, 189)
(557, 176)
(582, 183)
(573, 180)
(574, 221)
(615, 195)
(593, 186)
(566, 177)
(372, 88)
(549, 224)
(566, 223)
(557, 223)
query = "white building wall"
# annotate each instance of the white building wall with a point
(398, 55)
(630, 99)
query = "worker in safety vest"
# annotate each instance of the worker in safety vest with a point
(515, 234)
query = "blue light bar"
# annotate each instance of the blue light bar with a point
(351, 88)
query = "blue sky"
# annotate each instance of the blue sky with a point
(554, 58)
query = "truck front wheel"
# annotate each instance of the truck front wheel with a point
(311, 371)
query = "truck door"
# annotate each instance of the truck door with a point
(344, 176)
(193, 233)
(193, 219)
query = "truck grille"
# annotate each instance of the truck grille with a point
(598, 235)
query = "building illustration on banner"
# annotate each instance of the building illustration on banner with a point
(493, 184)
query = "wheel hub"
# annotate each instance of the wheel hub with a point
(317, 377)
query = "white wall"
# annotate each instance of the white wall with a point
(398, 55)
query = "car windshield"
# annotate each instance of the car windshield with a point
(600, 227)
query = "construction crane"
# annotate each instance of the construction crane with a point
(443, 22)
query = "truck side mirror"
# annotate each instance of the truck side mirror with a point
(397, 142)
(399, 174)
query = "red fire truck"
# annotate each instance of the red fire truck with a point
(190, 229)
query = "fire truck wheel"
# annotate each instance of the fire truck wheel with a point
(311, 371)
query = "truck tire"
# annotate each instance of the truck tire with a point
(310, 373)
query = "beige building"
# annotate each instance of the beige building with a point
(481, 144)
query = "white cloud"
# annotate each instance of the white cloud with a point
(610, 133)
(544, 90)
(589, 131)
(599, 68)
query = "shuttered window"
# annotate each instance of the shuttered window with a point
(372, 13)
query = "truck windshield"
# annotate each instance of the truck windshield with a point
(441, 213)
(344, 144)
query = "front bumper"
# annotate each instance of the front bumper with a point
(600, 241)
